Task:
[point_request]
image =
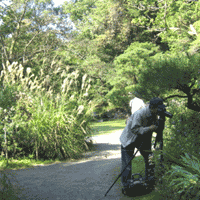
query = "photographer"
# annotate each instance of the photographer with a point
(138, 133)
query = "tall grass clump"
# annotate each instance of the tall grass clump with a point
(42, 123)
(181, 154)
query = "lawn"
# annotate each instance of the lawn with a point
(100, 128)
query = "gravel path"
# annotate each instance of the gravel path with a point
(86, 179)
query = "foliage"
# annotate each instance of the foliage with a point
(128, 67)
(181, 135)
(44, 123)
(182, 131)
(31, 31)
(174, 73)
(128, 48)
(182, 180)
(178, 24)
(108, 32)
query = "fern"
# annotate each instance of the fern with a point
(183, 180)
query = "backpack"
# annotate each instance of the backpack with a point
(138, 186)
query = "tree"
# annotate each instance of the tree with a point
(109, 27)
(175, 23)
(128, 67)
(167, 74)
(30, 31)
(107, 30)
(104, 30)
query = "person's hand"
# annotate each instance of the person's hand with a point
(153, 127)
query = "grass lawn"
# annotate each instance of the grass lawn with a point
(100, 128)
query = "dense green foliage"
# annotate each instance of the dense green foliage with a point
(181, 151)
(117, 50)
(118, 39)
(39, 121)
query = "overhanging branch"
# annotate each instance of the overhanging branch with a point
(194, 106)
(174, 96)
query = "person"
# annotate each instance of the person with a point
(136, 104)
(138, 134)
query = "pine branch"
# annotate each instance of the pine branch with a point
(174, 96)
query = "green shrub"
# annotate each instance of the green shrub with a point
(182, 132)
(181, 170)
(44, 122)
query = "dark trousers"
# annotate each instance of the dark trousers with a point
(143, 143)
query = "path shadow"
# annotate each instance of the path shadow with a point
(104, 150)
(107, 146)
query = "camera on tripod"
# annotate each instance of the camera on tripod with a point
(162, 111)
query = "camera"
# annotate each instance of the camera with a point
(162, 111)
